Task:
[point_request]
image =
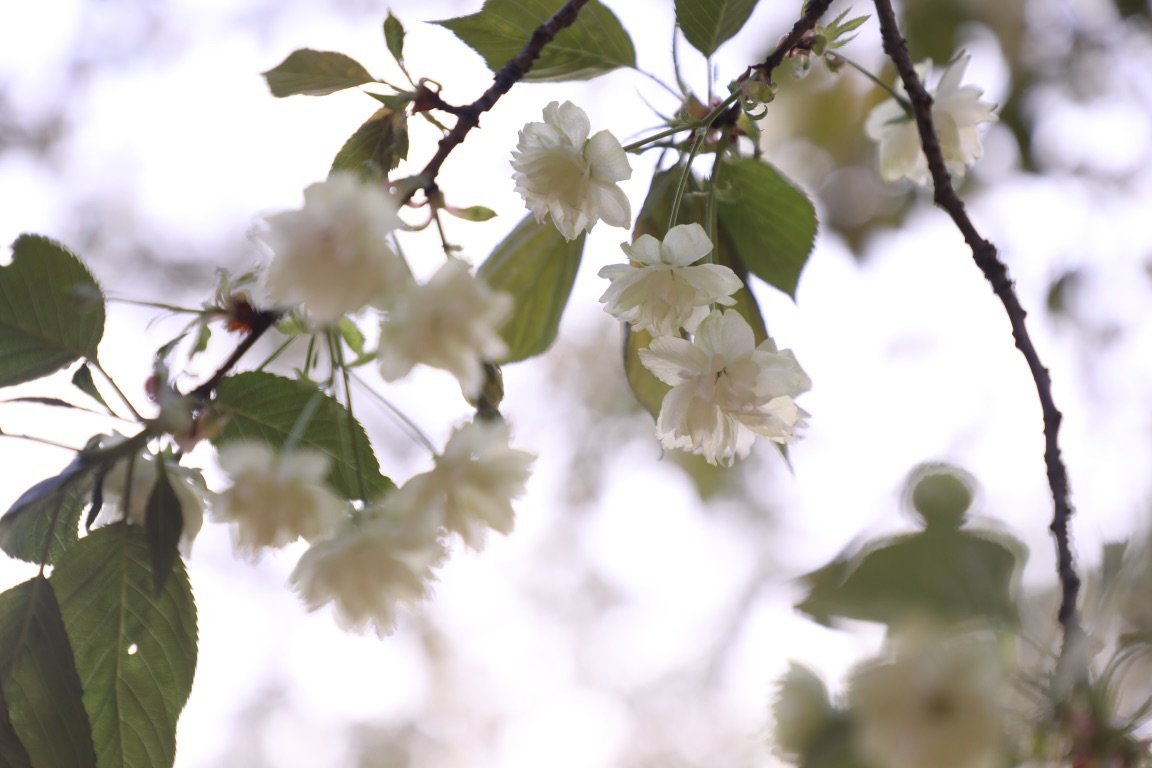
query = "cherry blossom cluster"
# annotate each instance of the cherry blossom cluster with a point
(335, 257)
(365, 562)
(725, 388)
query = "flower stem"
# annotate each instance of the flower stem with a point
(409, 426)
(336, 350)
(119, 392)
(900, 98)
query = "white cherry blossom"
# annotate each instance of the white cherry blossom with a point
(450, 322)
(375, 562)
(659, 291)
(957, 113)
(333, 255)
(275, 499)
(562, 173)
(725, 389)
(473, 483)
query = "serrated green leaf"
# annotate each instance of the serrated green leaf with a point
(771, 223)
(163, 524)
(394, 37)
(135, 654)
(377, 146)
(947, 575)
(45, 520)
(473, 213)
(707, 24)
(595, 44)
(265, 407)
(83, 381)
(537, 266)
(315, 73)
(51, 310)
(42, 693)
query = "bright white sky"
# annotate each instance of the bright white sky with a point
(910, 356)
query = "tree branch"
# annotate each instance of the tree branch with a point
(813, 10)
(995, 271)
(468, 117)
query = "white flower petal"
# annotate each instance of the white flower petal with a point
(451, 322)
(956, 112)
(333, 256)
(685, 244)
(562, 174)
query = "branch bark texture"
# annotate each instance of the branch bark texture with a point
(985, 255)
(468, 117)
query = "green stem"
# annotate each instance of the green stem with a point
(636, 145)
(157, 305)
(682, 182)
(900, 98)
(119, 392)
(302, 421)
(275, 354)
(410, 426)
(336, 350)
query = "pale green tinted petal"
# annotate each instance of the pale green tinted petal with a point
(881, 117)
(606, 158)
(673, 360)
(950, 80)
(645, 250)
(713, 282)
(569, 119)
(685, 244)
(612, 205)
(725, 333)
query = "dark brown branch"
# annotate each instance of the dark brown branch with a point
(468, 117)
(805, 24)
(996, 272)
(259, 324)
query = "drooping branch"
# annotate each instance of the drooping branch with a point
(468, 117)
(985, 255)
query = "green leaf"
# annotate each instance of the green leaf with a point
(82, 380)
(351, 334)
(706, 24)
(537, 266)
(473, 213)
(135, 654)
(45, 520)
(12, 752)
(595, 44)
(648, 389)
(41, 688)
(377, 147)
(51, 310)
(772, 224)
(163, 523)
(394, 37)
(315, 73)
(265, 407)
(949, 575)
